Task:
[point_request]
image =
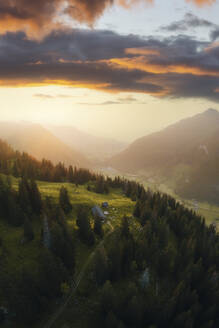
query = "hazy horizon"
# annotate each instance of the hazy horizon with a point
(120, 138)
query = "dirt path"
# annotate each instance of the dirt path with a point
(76, 283)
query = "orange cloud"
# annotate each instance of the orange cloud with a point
(38, 17)
(179, 67)
(201, 3)
(142, 51)
(145, 62)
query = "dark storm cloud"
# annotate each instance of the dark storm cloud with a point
(189, 22)
(70, 59)
(68, 45)
(171, 67)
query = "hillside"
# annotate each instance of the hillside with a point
(61, 266)
(34, 279)
(96, 148)
(40, 143)
(178, 143)
(184, 155)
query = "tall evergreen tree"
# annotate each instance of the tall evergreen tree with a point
(35, 198)
(85, 231)
(24, 196)
(64, 200)
(28, 230)
(100, 266)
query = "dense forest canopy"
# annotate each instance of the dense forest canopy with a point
(158, 268)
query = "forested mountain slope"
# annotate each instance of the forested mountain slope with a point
(178, 143)
(150, 263)
(96, 148)
(186, 153)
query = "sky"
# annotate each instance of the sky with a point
(118, 69)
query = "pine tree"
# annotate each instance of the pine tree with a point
(85, 231)
(100, 266)
(28, 230)
(64, 200)
(70, 174)
(111, 320)
(23, 196)
(35, 198)
(125, 227)
(108, 298)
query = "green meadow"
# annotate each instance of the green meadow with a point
(19, 255)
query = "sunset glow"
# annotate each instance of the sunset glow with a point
(85, 70)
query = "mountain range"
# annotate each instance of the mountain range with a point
(191, 144)
(178, 143)
(40, 143)
(185, 153)
(65, 144)
(93, 147)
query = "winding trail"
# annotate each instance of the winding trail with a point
(76, 283)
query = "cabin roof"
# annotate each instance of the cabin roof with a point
(96, 210)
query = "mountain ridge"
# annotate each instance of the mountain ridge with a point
(40, 143)
(94, 147)
(168, 145)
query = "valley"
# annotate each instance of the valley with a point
(164, 185)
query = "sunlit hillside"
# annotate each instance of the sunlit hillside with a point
(40, 143)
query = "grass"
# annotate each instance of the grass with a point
(18, 255)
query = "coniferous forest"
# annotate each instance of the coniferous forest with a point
(156, 268)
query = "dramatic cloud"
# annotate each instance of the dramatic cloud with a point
(171, 67)
(39, 17)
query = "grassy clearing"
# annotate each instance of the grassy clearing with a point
(81, 196)
(18, 255)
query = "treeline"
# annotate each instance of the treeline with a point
(20, 164)
(16, 207)
(165, 275)
(23, 165)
